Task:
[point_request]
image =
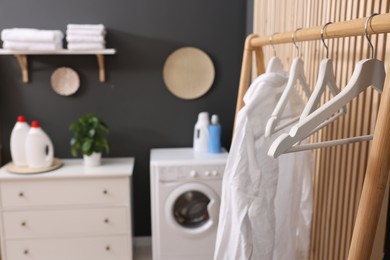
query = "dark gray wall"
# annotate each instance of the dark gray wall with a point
(134, 102)
(249, 16)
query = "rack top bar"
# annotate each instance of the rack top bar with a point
(379, 24)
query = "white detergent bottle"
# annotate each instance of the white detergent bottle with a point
(201, 133)
(18, 140)
(39, 148)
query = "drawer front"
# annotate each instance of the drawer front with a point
(41, 223)
(65, 192)
(96, 248)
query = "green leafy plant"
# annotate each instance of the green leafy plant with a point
(89, 135)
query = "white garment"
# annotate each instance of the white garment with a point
(32, 46)
(86, 32)
(76, 38)
(31, 35)
(251, 226)
(247, 222)
(98, 27)
(293, 201)
(86, 46)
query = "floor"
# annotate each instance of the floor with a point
(142, 248)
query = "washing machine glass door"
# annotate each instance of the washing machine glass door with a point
(190, 209)
(193, 208)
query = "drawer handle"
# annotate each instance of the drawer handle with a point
(105, 191)
(25, 252)
(106, 220)
(21, 194)
(108, 248)
(23, 223)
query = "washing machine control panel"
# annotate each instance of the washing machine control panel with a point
(190, 172)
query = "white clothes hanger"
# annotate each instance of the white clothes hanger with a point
(325, 79)
(274, 64)
(296, 74)
(369, 72)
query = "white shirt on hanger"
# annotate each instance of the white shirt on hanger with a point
(293, 204)
(247, 222)
(247, 216)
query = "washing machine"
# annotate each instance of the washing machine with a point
(185, 198)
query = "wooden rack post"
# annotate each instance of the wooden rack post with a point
(245, 68)
(377, 172)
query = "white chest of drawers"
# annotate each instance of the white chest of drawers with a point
(72, 213)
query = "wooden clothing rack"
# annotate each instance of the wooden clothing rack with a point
(377, 171)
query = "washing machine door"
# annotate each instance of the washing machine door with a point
(192, 209)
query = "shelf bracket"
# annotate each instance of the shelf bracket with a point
(100, 60)
(22, 59)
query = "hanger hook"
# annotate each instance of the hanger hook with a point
(293, 40)
(322, 37)
(366, 34)
(270, 42)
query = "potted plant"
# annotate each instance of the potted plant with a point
(89, 136)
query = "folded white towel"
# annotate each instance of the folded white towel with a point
(36, 46)
(86, 46)
(86, 32)
(31, 35)
(85, 38)
(86, 26)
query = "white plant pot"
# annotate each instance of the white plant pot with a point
(92, 160)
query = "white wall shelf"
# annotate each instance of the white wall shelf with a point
(21, 57)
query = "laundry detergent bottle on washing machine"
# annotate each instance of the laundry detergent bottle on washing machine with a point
(215, 135)
(39, 148)
(201, 133)
(18, 140)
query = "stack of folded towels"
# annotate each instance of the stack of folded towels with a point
(86, 36)
(31, 39)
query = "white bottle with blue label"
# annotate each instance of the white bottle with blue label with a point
(215, 135)
(201, 133)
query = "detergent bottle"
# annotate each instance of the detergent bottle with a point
(201, 133)
(215, 135)
(18, 140)
(39, 148)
